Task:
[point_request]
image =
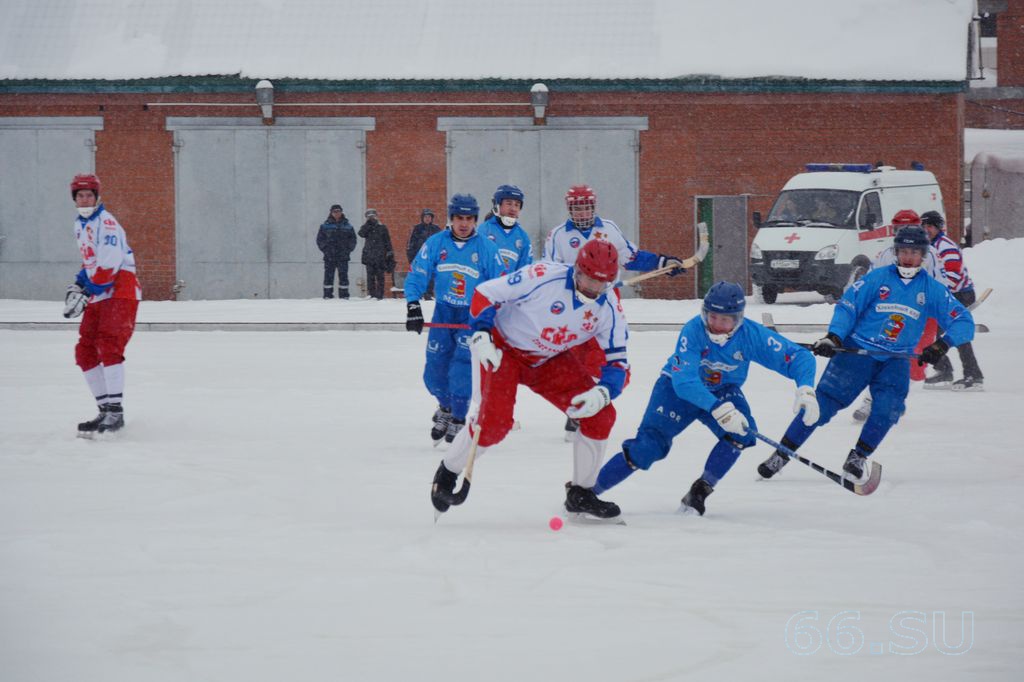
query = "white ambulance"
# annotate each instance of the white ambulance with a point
(829, 223)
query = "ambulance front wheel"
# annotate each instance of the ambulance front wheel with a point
(769, 293)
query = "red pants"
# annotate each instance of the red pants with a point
(105, 330)
(558, 381)
(931, 331)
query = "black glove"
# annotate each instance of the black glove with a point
(932, 354)
(826, 346)
(664, 261)
(413, 317)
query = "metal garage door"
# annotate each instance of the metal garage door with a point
(544, 161)
(249, 199)
(38, 254)
(729, 256)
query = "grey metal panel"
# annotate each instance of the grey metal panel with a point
(729, 239)
(38, 254)
(250, 200)
(207, 122)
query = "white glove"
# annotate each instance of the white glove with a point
(74, 301)
(807, 401)
(486, 352)
(730, 419)
(589, 403)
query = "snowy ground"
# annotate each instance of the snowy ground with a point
(265, 516)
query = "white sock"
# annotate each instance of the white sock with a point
(587, 457)
(97, 383)
(458, 453)
(114, 376)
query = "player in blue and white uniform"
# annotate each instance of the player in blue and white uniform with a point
(458, 260)
(502, 227)
(885, 311)
(526, 326)
(702, 381)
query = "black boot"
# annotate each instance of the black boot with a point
(699, 492)
(442, 418)
(443, 480)
(453, 429)
(772, 465)
(856, 466)
(580, 500)
(113, 420)
(89, 428)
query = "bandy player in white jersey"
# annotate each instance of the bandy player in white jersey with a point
(526, 325)
(108, 291)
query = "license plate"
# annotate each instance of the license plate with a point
(786, 264)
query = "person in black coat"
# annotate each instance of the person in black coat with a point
(378, 255)
(420, 233)
(336, 239)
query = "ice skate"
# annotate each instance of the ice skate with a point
(571, 427)
(442, 417)
(772, 465)
(862, 413)
(443, 480)
(113, 420)
(88, 429)
(694, 499)
(583, 506)
(942, 381)
(454, 426)
(968, 384)
(857, 467)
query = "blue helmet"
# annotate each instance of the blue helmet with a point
(911, 236)
(463, 204)
(724, 298)
(508, 192)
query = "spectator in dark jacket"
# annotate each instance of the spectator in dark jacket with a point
(378, 256)
(336, 239)
(420, 233)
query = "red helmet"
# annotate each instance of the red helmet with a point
(905, 217)
(581, 197)
(599, 260)
(85, 181)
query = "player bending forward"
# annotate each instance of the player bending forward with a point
(526, 324)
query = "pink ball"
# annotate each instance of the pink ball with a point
(555, 523)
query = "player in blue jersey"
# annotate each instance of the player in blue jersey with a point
(502, 227)
(457, 259)
(884, 311)
(701, 381)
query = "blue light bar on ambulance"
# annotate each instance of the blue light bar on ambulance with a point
(845, 167)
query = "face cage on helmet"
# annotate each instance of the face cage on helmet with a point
(583, 223)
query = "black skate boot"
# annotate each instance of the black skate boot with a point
(939, 382)
(443, 480)
(442, 417)
(113, 420)
(699, 492)
(571, 427)
(856, 466)
(88, 429)
(772, 465)
(583, 504)
(969, 384)
(453, 429)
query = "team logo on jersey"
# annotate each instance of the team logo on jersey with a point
(893, 327)
(920, 298)
(458, 285)
(738, 356)
(538, 270)
(519, 243)
(108, 221)
(712, 377)
(883, 292)
(600, 235)
(475, 258)
(443, 255)
(492, 237)
(574, 242)
(559, 336)
(557, 308)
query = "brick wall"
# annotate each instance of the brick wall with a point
(697, 144)
(1010, 44)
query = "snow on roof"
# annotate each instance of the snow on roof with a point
(482, 39)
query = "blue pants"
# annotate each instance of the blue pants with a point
(666, 417)
(448, 374)
(845, 377)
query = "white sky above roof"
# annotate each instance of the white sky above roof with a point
(472, 39)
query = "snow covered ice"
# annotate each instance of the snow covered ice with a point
(265, 515)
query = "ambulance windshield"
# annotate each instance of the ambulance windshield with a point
(818, 207)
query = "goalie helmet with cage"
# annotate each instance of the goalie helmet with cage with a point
(506, 192)
(597, 268)
(722, 311)
(582, 204)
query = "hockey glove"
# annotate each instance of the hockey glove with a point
(730, 419)
(75, 301)
(486, 352)
(826, 346)
(665, 261)
(807, 401)
(933, 353)
(589, 403)
(413, 317)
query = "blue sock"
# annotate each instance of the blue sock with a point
(614, 472)
(721, 459)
